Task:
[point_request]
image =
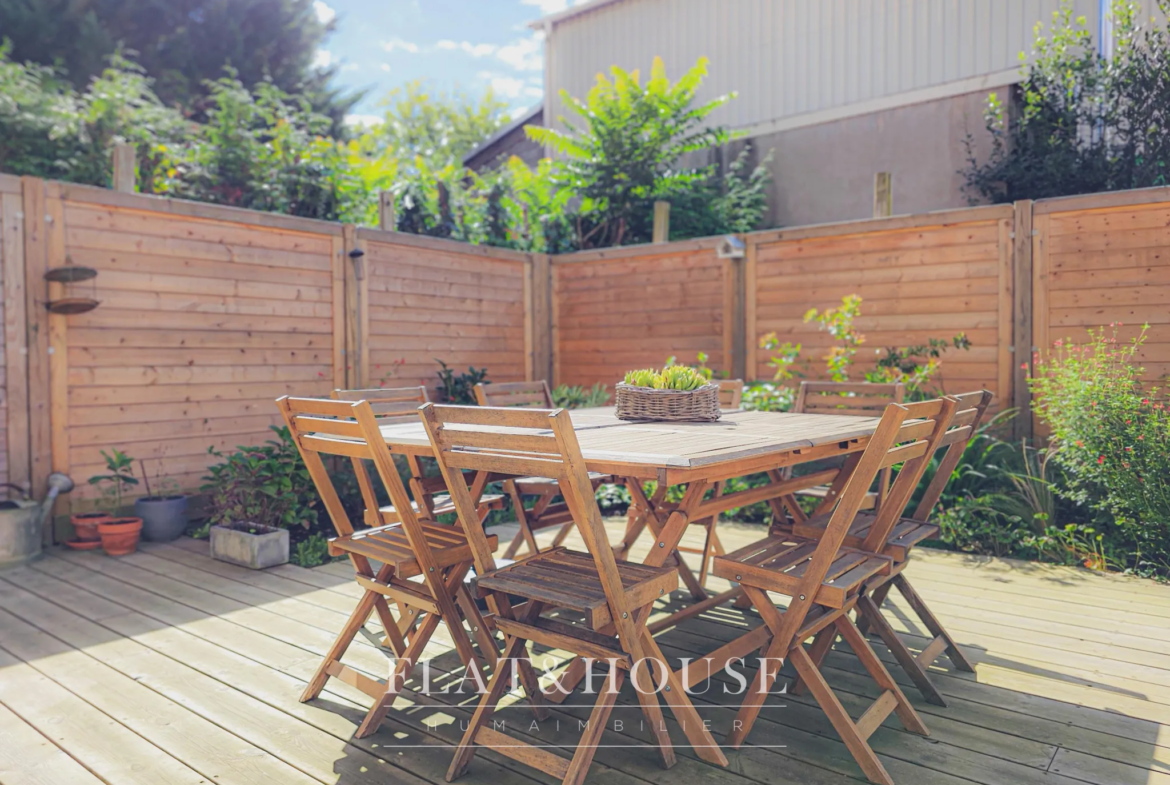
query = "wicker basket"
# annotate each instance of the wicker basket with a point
(644, 403)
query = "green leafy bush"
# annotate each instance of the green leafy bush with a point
(119, 480)
(268, 485)
(48, 129)
(1111, 434)
(459, 388)
(1081, 121)
(578, 397)
(263, 149)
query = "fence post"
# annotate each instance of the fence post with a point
(538, 317)
(387, 219)
(37, 315)
(357, 310)
(751, 248)
(12, 264)
(1022, 319)
(661, 221)
(883, 194)
(124, 179)
(734, 317)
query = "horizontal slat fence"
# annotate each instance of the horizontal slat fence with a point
(206, 317)
(626, 308)
(1104, 260)
(922, 277)
(433, 300)
(208, 313)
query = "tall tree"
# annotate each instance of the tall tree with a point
(438, 128)
(181, 43)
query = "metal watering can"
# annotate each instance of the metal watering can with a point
(22, 522)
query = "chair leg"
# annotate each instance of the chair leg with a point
(652, 711)
(562, 534)
(753, 700)
(868, 611)
(587, 746)
(854, 739)
(821, 646)
(525, 534)
(877, 671)
(956, 655)
(487, 707)
(402, 668)
(879, 597)
(357, 620)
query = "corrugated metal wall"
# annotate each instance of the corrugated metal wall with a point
(791, 57)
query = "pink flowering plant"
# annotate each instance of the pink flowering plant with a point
(1110, 431)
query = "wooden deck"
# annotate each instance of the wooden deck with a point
(167, 667)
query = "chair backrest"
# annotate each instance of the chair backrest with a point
(388, 402)
(329, 427)
(531, 395)
(730, 393)
(525, 442)
(864, 399)
(907, 434)
(969, 412)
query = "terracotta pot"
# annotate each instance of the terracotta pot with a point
(86, 525)
(120, 535)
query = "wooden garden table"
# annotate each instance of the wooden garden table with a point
(696, 455)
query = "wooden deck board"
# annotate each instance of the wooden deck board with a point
(1060, 697)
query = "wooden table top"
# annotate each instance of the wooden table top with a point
(738, 443)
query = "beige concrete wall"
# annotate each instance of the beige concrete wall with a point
(825, 172)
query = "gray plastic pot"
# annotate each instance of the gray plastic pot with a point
(164, 518)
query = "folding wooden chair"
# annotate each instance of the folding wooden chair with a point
(410, 547)
(862, 399)
(825, 578)
(544, 513)
(730, 393)
(430, 497)
(614, 597)
(894, 536)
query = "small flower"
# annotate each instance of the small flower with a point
(1024, 366)
(321, 374)
(1124, 464)
(1080, 443)
(1100, 459)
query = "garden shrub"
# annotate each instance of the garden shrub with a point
(1110, 432)
(1081, 121)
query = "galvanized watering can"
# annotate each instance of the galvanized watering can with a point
(22, 522)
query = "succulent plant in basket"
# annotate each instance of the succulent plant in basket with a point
(677, 392)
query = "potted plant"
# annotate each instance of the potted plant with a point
(163, 510)
(677, 392)
(119, 535)
(254, 496)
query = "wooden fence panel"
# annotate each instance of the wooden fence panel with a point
(207, 315)
(1103, 260)
(13, 367)
(433, 300)
(923, 277)
(633, 307)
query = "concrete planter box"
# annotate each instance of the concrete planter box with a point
(235, 544)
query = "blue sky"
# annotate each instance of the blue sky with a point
(470, 44)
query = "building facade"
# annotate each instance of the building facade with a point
(837, 90)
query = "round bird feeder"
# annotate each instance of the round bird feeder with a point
(70, 276)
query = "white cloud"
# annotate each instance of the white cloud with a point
(475, 50)
(398, 43)
(325, 14)
(523, 54)
(385, 67)
(548, 6)
(504, 86)
(351, 67)
(363, 120)
(323, 59)
(533, 92)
